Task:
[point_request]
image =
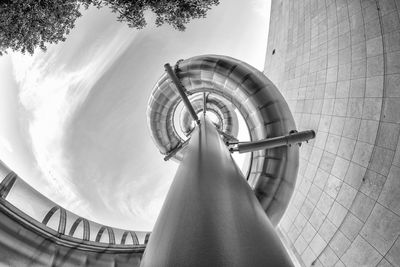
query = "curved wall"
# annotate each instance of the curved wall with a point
(34, 231)
(338, 65)
(26, 242)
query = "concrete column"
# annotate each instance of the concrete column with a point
(211, 216)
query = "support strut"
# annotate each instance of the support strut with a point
(204, 103)
(181, 91)
(287, 140)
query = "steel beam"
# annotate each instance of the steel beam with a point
(293, 138)
(211, 216)
(176, 150)
(204, 103)
(181, 91)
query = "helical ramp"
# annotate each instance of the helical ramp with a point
(220, 85)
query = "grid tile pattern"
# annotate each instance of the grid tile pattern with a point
(337, 63)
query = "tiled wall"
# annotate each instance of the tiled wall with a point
(338, 65)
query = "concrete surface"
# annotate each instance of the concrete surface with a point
(337, 63)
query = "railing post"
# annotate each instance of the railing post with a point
(7, 184)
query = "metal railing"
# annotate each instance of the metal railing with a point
(16, 192)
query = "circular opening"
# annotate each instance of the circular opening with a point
(215, 119)
(243, 161)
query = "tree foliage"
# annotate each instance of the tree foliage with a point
(28, 24)
(25, 25)
(174, 12)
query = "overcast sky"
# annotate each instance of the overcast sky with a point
(73, 119)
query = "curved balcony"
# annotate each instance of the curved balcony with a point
(32, 225)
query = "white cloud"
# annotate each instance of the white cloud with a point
(140, 200)
(50, 93)
(5, 144)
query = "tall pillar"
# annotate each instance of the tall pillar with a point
(211, 216)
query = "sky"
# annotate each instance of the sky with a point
(73, 119)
